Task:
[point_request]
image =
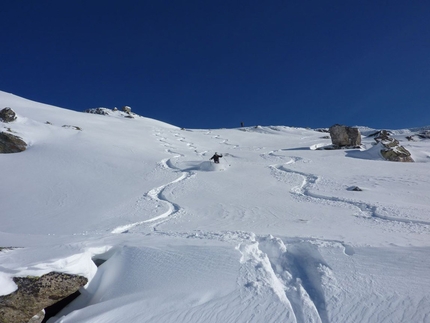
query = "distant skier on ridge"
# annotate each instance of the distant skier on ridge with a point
(216, 158)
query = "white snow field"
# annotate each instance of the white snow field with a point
(274, 233)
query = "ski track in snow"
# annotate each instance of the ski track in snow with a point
(223, 140)
(303, 191)
(293, 274)
(291, 269)
(156, 193)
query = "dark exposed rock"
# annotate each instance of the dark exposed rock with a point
(392, 150)
(101, 111)
(343, 136)
(6, 248)
(424, 135)
(274, 128)
(11, 144)
(397, 153)
(7, 115)
(322, 130)
(354, 188)
(125, 111)
(71, 127)
(36, 293)
(379, 133)
(382, 135)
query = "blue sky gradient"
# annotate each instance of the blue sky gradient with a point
(215, 64)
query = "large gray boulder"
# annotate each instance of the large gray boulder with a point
(343, 136)
(7, 115)
(11, 144)
(36, 293)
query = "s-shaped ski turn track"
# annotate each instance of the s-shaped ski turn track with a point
(156, 194)
(303, 192)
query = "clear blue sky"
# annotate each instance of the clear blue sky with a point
(213, 64)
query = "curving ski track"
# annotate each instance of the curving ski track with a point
(303, 191)
(156, 193)
(291, 270)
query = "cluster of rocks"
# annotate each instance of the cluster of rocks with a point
(10, 143)
(101, 111)
(391, 148)
(35, 294)
(104, 111)
(422, 135)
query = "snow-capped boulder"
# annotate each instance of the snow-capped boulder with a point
(7, 115)
(391, 148)
(36, 293)
(343, 136)
(126, 108)
(397, 153)
(11, 144)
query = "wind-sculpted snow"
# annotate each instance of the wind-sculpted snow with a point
(273, 233)
(292, 272)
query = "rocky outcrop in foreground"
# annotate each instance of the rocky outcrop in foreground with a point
(11, 144)
(36, 293)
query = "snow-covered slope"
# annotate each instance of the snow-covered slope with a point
(273, 233)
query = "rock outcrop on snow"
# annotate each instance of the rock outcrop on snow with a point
(101, 111)
(7, 115)
(392, 150)
(125, 112)
(343, 136)
(424, 135)
(72, 127)
(11, 144)
(36, 293)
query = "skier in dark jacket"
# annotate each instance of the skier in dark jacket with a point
(216, 158)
